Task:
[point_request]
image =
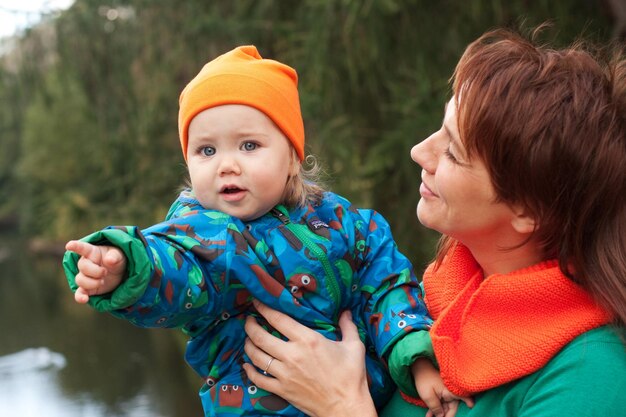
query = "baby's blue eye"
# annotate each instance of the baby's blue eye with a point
(208, 151)
(249, 146)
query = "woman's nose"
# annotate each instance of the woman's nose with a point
(416, 152)
(427, 153)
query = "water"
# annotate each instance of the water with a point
(58, 358)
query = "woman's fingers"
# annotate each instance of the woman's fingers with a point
(349, 331)
(301, 367)
(288, 327)
(267, 383)
(267, 363)
(263, 340)
(293, 331)
(282, 322)
(269, 376)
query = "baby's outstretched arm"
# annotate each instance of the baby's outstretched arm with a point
(100, 269)
(431, 389)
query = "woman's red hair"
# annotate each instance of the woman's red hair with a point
(550, 126)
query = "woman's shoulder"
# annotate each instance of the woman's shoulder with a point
(587, 374)
(596, 355)
(600, 345)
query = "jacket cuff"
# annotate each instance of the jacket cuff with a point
(138, 270)
(404, 353)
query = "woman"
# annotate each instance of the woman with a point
(526, 181)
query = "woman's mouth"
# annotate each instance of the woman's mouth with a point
(426, 192)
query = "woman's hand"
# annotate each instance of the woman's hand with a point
(317, 375)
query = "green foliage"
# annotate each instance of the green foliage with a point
(53, 189)
(9, 145)
(90, 113)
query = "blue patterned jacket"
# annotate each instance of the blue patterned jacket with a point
(200, 269)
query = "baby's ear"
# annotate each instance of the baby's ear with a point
(523, 222)
(294, 164)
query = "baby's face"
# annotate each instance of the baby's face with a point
(238, 160)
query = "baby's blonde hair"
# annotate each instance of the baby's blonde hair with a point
(304, 187)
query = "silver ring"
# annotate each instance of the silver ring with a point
(267, 367)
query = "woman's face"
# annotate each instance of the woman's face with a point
(457, 197)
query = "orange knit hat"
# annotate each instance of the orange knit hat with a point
(242, 76)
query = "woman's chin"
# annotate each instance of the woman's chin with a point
(423, 216)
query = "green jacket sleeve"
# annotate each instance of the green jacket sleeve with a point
(405, 352)
(138, 270)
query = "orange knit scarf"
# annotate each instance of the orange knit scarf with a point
(491, 331)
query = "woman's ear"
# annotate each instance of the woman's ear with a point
(522, 221)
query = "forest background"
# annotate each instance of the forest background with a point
(89, 96)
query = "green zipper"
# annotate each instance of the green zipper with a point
(302, 233)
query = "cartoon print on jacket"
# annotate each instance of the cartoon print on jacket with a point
(200, 269)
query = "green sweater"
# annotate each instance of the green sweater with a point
(587, 378)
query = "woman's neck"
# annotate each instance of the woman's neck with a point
(495, 259)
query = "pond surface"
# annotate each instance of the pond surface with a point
(58, 358)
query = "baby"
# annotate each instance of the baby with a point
(254, 224)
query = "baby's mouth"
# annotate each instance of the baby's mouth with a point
(232, 193)
(231, 190)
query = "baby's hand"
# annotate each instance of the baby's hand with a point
(100, 269)
(431, 389)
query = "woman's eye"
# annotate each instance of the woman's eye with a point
(450, 156)
(249, 146)
(207, 151)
